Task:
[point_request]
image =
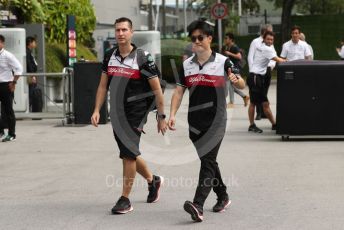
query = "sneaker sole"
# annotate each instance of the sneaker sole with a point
(192, 210)
(226, 206)
(160, 185)
(124, 211)
(9, 140)
(255, 131)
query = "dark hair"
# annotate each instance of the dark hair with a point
(2, 38)
(200, 24)
(268, 33)
(296, 28)
(29, 40)
(230, 35)
(124, 19)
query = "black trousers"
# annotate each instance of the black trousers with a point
(209, 174)
(7, 113)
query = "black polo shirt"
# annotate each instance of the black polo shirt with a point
(207, 90)
(129, 83)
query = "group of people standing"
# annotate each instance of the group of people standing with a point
(262, 59)
(10, 71)
(132, 77)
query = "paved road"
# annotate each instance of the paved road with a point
(56, 177)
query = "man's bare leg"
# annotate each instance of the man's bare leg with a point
(129, 172)
(142, 169)
(251, 109)
(268, 113)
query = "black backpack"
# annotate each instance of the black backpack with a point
(37, 100)
(142, 60)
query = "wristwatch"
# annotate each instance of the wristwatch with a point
(160, 116)
(14, 82)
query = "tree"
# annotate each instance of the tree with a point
(320, 6)
(53, 15)
(287, 7)
(306, 7)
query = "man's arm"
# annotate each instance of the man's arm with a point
(175, 104)
(159, 101)
(235, 53)
(284, 52)
(308, 53)
(100, 98)
(278, 59)
(16, 68)
(251, 54)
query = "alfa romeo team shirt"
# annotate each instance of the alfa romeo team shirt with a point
(129, 84)
(207, 89)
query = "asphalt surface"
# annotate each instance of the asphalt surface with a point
(58, 177)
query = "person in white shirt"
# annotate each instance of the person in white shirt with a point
(303, 38)
(251, 54)
(255, 81)
(295, 49)
(341, 50)
(10, 69)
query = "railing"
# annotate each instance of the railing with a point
(66, 75)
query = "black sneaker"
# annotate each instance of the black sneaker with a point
(122, 206)
(9, 138)
(194, 210)
(254, 128)
(154, 189)
(274, 127)
(222, 204)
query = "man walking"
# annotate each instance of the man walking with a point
(132, 77)
(10, 69)
(232, 51)
(205, 74)
(263, 54)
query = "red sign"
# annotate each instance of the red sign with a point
(219, 10)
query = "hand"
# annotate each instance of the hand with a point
(337, 50)
(232, 77)
(162, 126)
(172, 123)
(11, 86)
(95, 118)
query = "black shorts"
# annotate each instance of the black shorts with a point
(257, 86)
(127, 125)
(128, 143)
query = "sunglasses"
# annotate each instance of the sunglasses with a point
(199, 38)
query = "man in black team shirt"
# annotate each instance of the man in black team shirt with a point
(205, 74)
(132, 76)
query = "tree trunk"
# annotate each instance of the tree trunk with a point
(286, 19)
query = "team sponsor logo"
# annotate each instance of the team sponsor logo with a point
(205, 80)
(123, 72)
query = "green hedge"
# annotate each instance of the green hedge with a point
(171, 50)
(56, 56)
(323, 33)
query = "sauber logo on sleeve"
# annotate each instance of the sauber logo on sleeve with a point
(205, 80)
(123, 72)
